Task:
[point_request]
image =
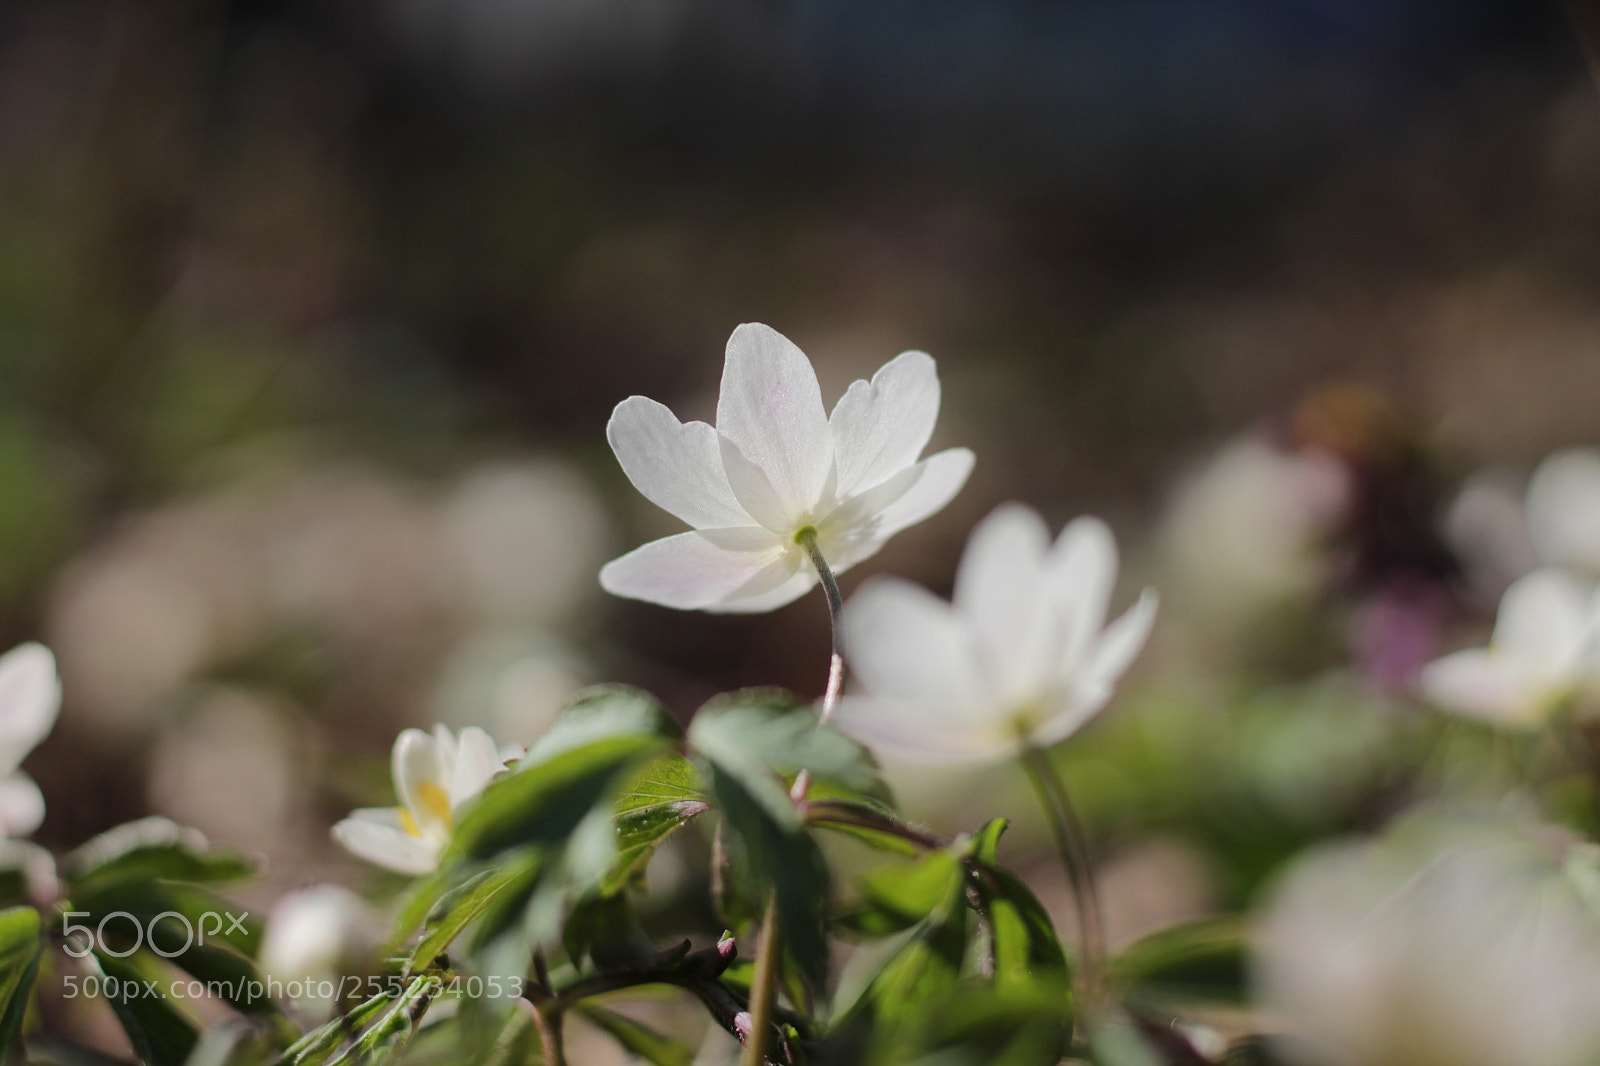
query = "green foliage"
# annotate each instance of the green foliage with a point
(662, 798)
(161, 1035)
(21, 945)
(1200, 960)
(638, 1039)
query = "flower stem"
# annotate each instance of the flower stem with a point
(769, 953)
(1073, 847)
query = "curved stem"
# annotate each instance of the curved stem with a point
(769, 953)
(1072, 844)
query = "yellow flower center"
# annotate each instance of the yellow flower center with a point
(433, 800)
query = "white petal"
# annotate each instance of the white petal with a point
(770, 408)
(1082, 568)
(704, 569)
(1116, 647)
(1082, 703)
(756, 493)
(904, 643)
(676, 465)
(943, 474)
(908, 731)
(1001, 589)
(1476, 683)
(1564, 508)
(800, 583)
(30, 698)
(368, 835)
(1543, 623)
(21, 805)
(477, 760)
(417, 761)
(880, 427)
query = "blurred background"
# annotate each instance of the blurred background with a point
(312, 315)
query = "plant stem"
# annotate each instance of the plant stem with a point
(769, 953)
(1072, 845)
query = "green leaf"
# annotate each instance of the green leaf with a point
(897, 896)
(983, 1025)
(456, 909)
(663, 797)
(763, 732)
(639, 1039)
(542, 802)
(783, 860)
(866, 821)
(161, 1035)
(151, 849)
(21, 944)
(604, 711)
(1200, 960)
(605, 930)
(316, 1046)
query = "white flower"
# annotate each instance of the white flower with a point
(314, 936)
(1564, 509)
(1541, 656)
(1442, 943)
(30, 697)
(1022, 655)
(435, 776)
(775, 464)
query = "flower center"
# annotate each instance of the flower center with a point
(434, 801)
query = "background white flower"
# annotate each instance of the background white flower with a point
(1444, 942)
(434, 776)
(1022, 654)
(30, 698)
(775, 463)
(1563, 509)
(1541, 656)
(316, 935)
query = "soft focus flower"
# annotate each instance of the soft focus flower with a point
(1541, 656)
(1441, 944)
(1023, 655)
(775, 464)
(435, 776)
(1564, 509)
(313, 937)
(30, 697)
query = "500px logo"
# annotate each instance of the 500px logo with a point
(93, 938)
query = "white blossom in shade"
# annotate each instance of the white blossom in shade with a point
(313, 937)
(1563, 509)
(1446, 942)
(1022, 655)
(1541, 658)
(435, 776)
(30, 698)
(777, 463)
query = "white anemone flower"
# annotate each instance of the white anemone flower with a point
(30, 698)
(775, 466)
(315, 936)
(1563, 509)
(1541, 657)
(435, 776)
(1022, 655)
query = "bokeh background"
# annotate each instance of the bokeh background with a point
(312, 314)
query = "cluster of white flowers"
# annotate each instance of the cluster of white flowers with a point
(1020, 656)
(1543, 657)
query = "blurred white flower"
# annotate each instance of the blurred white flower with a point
(1541, 656)
(435, 776)
(313, 937)
(30, 697)
(1023, 654)
(1564, 509)
(1440, 945)
(776, 463)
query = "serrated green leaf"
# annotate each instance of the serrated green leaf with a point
(151, 849)
(639, 1039)
(161, 1035)
(21, 944)
(456, 909)
(764, 732)
(1205, 959)
(604, 711)
(662, 798)
(542, 802)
